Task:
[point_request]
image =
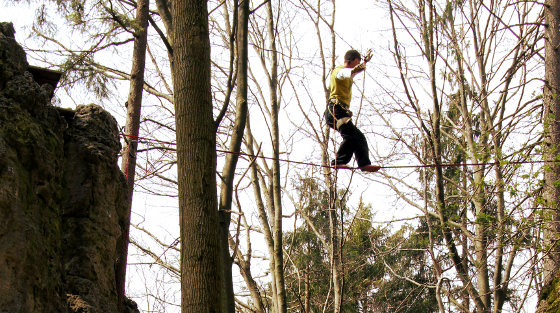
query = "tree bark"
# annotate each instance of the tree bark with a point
(335, 240)
(228, 172)
(132, 129)
(276, 187)
(245, 270)
(201, 285)
(552, 140)
(336, 252)
(479, 198)
(262, 212)
(551, 258)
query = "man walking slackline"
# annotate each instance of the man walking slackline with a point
(339, 117)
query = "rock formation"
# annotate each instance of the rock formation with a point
(62, 197)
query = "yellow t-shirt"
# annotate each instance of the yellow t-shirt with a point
(340, 89)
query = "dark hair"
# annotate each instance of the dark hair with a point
(351, 55)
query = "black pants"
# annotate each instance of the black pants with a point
(353, 140)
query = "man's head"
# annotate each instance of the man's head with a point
(352, 57)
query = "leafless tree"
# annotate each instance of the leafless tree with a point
(479, 68)
(132, 127)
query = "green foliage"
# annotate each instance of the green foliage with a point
(80, 68)
(406, 286)
(104, 28)
(484, 219)
(76, 12)
(368, 251)
(447, 14)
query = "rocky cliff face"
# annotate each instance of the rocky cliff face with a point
(62, 197)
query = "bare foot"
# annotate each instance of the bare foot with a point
(370, 168)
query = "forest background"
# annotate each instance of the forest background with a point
(451, 104)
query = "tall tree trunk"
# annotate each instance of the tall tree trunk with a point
(263, 215)
(228, 172)
(307, 292)
(335, 251)
(276, 187)
(201, 285)
(552, 140)
(551, 150)
(132, 129)
(335, 248)
(479, 197)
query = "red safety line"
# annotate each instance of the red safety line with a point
(144, 139)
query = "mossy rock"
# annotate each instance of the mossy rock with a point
(550, 297)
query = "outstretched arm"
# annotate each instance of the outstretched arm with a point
(362, 66)
(358, 69)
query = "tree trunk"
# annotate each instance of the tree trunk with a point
(548, 300)
(479, 197)
(245, 270)
(132, 129)
(201, 285)
(552, 141)
(335, 251)
(262, 212)
(228, 172)
(277, 196)
(335, 241)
